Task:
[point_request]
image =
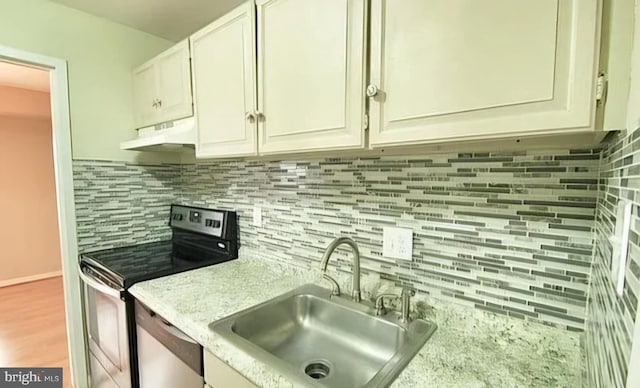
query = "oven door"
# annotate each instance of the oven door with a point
(108, 338)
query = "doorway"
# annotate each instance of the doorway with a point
(31, 276)
(40, 301)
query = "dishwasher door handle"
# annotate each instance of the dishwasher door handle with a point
(172, 330)
(97, 285)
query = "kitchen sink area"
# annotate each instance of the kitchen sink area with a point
(313, 338)
(277, 325)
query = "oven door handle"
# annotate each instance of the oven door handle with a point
(97, 285)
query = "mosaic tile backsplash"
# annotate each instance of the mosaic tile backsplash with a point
(121, 204)
(507, 232)
(511, 233)
(611, 319)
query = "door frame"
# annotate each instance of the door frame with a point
(63, 168)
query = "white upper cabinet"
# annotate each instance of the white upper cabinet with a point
(145, 95)
(162, 87)
(467, 69)
(311, 61)
(223, 63)
(174, 83)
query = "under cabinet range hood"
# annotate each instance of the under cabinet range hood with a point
(172, 136)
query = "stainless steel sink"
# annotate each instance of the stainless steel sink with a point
(315, 340)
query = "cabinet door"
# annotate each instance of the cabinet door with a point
(310, 74)
(480, 69)
(220, 375)
(145, 95)
(174, 82)
(224, 85)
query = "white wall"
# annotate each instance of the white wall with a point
(100, 56)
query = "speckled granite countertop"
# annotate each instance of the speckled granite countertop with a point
(470, 348)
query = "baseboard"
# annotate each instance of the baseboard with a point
(27, 279)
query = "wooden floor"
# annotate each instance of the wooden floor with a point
(32, 326)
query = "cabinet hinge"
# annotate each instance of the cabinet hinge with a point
(601, 88)
(366, 121)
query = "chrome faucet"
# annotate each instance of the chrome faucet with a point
(356, 266)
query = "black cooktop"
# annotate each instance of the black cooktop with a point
(200, 237)
(129, 265)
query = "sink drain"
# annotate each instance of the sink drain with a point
(317, 370)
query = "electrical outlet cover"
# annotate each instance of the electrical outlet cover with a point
(397, 243)
(620, 244)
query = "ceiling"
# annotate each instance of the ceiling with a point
(24, 77)
(170, 19)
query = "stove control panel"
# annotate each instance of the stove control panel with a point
(218, 223)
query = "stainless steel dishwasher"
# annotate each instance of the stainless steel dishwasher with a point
(167, 358)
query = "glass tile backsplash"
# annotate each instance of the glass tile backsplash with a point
(510, 233)
(522, 234)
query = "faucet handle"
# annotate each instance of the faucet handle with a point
(407, 293)
(335, 287)
(380, 308)
(405, 297)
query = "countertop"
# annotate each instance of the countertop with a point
(470, 348)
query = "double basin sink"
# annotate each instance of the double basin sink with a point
(317, 340)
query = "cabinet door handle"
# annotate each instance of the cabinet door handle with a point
(250, 117)
(154, 104)
(260, 116)
(372, 90)
(159, 103)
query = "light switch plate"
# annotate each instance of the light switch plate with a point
(257, 216)
(397, 243)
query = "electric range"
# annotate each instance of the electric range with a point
(200, 237)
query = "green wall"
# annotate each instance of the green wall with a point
(100, 56)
